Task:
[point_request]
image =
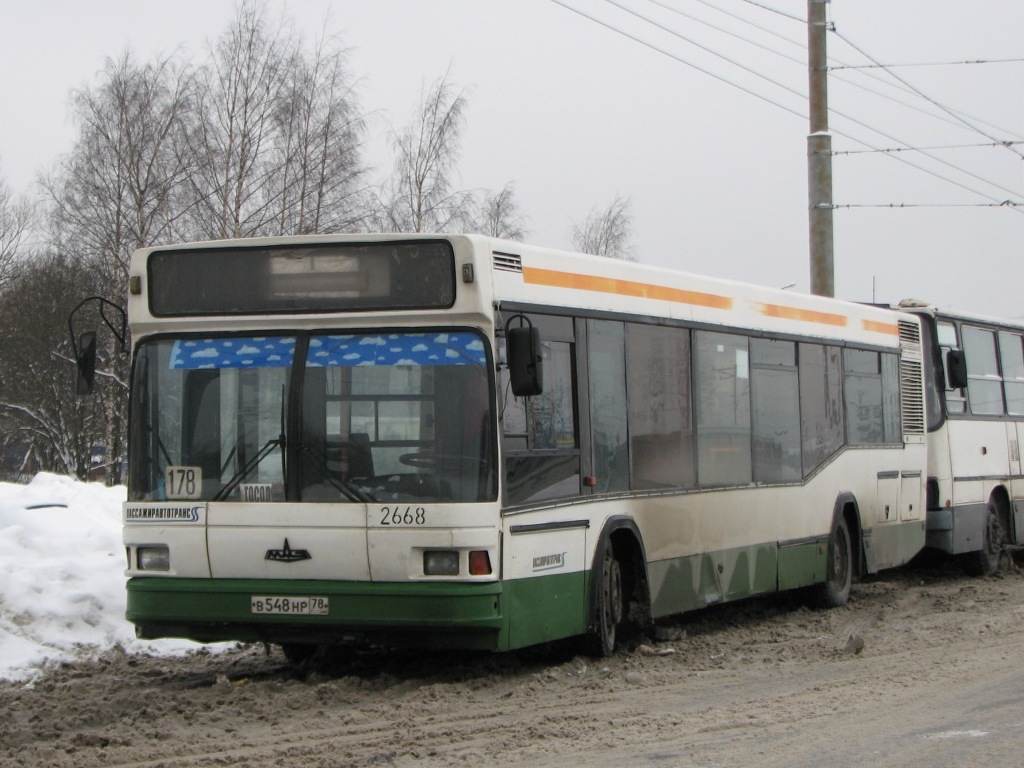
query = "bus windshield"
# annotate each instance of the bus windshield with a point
(356, 417)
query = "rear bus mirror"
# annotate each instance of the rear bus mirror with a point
(86, 360)
(956, 369)
(525, 365)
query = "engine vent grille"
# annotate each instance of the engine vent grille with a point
(911, 379)
(507, 262)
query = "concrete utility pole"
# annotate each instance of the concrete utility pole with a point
(819, 154)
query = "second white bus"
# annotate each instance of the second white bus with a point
(975, 398)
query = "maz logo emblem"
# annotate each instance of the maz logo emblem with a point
(288, 555)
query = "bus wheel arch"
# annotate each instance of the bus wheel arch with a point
(619, 599)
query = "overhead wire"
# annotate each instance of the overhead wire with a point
(690, 64)
(717, 28)
(852, 119)
(802, 62)
(762, 97)
(915, 149)
(916, 108)
(775, 10)
(926, 153)
(1003, 204)
(956, 118)
(920, 93)
(926, 64)
(1014, 205)
(704, 48)
(937, 175)
(842, 65)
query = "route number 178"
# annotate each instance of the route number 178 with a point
(183, 482)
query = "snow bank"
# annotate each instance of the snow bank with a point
(62, 564)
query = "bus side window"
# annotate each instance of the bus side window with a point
(984, 384)
(862, 393)
(1011, 356)
(775, 395)
(822, 414)
(722, 407)
(661, 447)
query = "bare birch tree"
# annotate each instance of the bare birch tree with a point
(606, 232)
(277, 135)
(120, 188)
(16, 217)
(420, 196)
(240, 94)
(499, 215)
(317, 174)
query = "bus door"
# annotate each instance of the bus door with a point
(1014, 430)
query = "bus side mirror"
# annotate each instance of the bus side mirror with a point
(86, 360)
(956, 369)
(525, 368)
(85, 347)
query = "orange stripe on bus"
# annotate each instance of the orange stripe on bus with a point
(890, 329)
(623, 288)
(803, 315)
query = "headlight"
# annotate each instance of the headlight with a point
(154, 558)
(441, 563)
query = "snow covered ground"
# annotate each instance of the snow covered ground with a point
(62, 564)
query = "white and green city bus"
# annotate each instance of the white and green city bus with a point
(975, 397)
(455, 441)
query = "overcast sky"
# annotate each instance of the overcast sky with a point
(711, 153)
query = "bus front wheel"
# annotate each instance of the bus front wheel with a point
(608, 608)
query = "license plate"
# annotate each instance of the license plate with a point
(289, 606)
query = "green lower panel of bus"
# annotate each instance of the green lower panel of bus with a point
(427, 615)
(284, 611)
(546, 608)
(689, 583)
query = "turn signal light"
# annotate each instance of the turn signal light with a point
(479, 563)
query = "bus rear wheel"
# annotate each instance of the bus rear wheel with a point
(986, 560)
(608, 607)
(835, 591)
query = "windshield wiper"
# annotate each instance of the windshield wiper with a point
(348, 489)
(248, 467)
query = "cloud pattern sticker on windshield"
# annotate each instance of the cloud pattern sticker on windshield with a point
(397, 349)
(233, 352)
(344, 351)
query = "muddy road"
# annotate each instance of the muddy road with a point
(924, 667)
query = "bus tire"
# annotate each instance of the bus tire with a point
(835, 590)
(986, 560)
(608, 604)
